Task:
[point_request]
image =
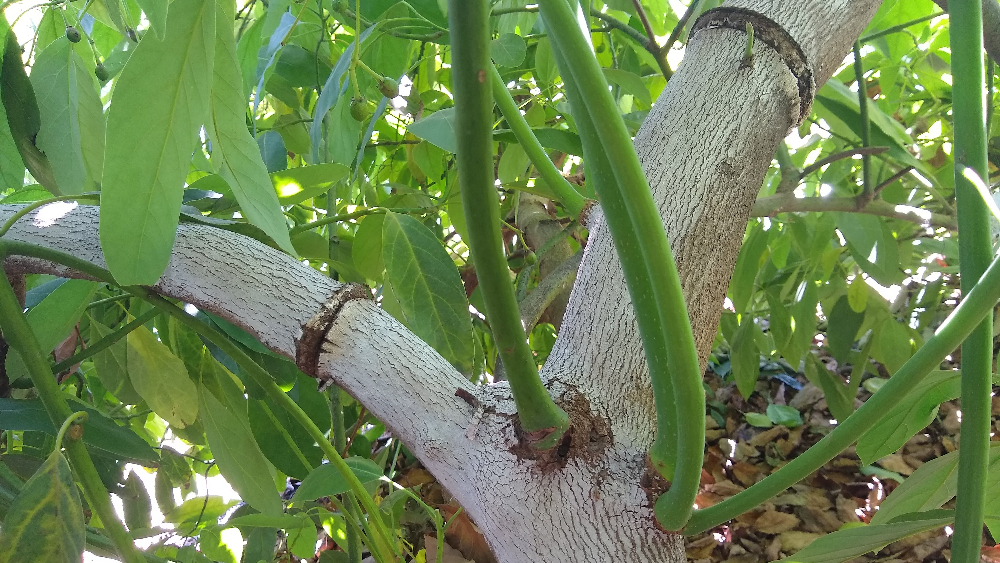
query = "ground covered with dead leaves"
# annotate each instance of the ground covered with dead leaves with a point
(843, 491)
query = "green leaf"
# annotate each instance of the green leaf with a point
(72, 129)
(430, 291)
(325, 480)
(843, 323)
(857, 294)
(273, 151)
(165, 87)
(199, 509)
(758, 420)
(562, 140)
(136, 503)
(99, 430)
(11, 166)
(302, 538)
(276, 433)
(508, 50)
(892, 344)
(161, 379)
(284, 521)
(368, 247)
(852, 542)
(211, 543)
(156, 13)
(911, 413)
(240, 459)
(838, 396)
(296, 185)
(745, 357)
(872, 245)
(45, 521)
(928, 488)
(438, 128)
(235, 152)
(630, 83)
(54, 318)
(741, 287)
(784, 415)
(112, 365)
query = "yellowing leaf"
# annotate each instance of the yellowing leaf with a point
(161, 379)
(161, 99)
(45, 521)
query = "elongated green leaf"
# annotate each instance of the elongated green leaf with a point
(325, 480)
(99, 430)
(112, 366)
(45, 522)
(872, 245)
(837, 394)
(136, 503)
(843, 323)
(745, 357)
(22, 114)
(161, 379)
(429, 289)
(629, 82)
(165, 87)
(438, 128)
(852, 542)
(928, 488)
(11, 166)
(72, 129)
(911, 414)
(235, 153)
(240, 460)
(741, 287)
(368, 247)
(302, 538)
(562, 140)
(56, 315)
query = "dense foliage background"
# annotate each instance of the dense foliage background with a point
(835, 287)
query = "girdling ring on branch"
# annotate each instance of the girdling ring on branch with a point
(770, 33)
(310, 343)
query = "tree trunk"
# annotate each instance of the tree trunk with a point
(706, 147)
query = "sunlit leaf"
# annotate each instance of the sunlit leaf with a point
(326, 481)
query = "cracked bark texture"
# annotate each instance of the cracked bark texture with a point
(705, 147)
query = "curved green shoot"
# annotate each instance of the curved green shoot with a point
(974, 250)
(543, 422)
(568, 196)
(681, 396)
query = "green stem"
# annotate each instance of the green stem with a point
(970, 312)
(866, 160)
(354, 215)
(652, 248)
(974, 250)
(18, 333)
(900, 27)
(674, 35)
(543, 421)
(339, 440)
(106, 342)
(568, 196)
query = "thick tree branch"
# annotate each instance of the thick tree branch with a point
(788, 203)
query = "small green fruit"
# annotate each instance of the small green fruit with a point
(359, 109)
(531, 258)
(73, 34)
(101, 72)
(388, 87)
